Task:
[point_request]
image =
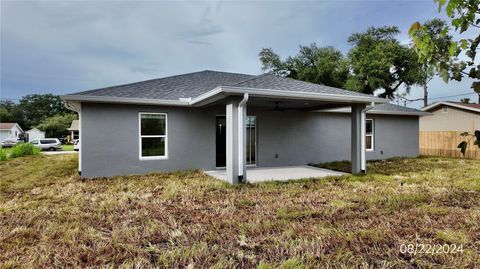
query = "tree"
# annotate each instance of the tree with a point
(433, 28)
(38, 107)
(379, 62)
(465, 100)
(323, 65)
(464, 15)
(56, 126)
(10, 112)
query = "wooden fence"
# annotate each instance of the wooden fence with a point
(445, 144)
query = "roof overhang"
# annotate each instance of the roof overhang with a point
(377, 112)
(432, 106)
(223, 92)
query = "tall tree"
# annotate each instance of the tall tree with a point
(37, 107)
(434, 29)
(324, 65)
(464, 15)
(379, 62)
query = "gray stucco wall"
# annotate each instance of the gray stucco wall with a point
(110, 144)
(301, 138)
(110, 140)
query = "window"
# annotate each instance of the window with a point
(35, 142)
(370, 132)
(48, 141)
(153, 136)
(445, 109)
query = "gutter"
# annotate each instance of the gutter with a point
(363, 117)
(242, 105)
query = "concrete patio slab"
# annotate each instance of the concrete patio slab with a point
(283, 173)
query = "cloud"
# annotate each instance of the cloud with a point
(67, 46)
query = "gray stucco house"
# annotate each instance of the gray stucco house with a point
(210, 120)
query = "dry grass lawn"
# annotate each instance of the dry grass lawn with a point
(49, 217)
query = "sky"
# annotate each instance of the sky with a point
(68, 46)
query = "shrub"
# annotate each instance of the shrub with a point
(23, 149)
(3, 154)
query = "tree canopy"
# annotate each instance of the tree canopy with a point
(379, 62)
(376, 61)
(325, 65)
(464, 15)
(32, 109)
(56, 126)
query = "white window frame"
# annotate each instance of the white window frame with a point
(372, 135)
(140, 136)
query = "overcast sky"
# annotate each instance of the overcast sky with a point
(66, 46)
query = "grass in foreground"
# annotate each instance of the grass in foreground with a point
(51, 218)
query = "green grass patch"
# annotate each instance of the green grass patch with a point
(67, 147)
(452, 237)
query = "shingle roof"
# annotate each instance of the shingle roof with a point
(194, 84)
(7, 125)
(466, 105)
(268, 81)
(171, 88)
(460, 105)
(394, 108)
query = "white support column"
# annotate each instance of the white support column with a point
(232, 142)
(358, 138)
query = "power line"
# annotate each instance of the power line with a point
(457, 95)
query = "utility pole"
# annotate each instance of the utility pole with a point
(425, 95)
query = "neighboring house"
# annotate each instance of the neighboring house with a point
(440, 132)
(34, 134)
(208, 120)
(451, 116)
(9, 130)
(74, 133)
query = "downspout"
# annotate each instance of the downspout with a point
(242, 120)
(363, 166)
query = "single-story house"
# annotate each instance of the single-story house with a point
(9, 130)
(440, 132)
(74, 133)
(451, 116)
(216, 120)
(34, 134)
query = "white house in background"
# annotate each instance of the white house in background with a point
(74, 133)
(34, 134)
(9, 130)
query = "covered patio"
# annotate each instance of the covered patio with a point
(236, 101)
(262, 174)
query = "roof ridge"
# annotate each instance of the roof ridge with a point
(249, 79)
(137, 82)
(307, 82)
(155, 79)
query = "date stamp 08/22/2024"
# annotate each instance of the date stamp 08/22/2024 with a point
(432, 249)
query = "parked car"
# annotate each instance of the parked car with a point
(76, 145)
(9, 142)
(50, 144)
